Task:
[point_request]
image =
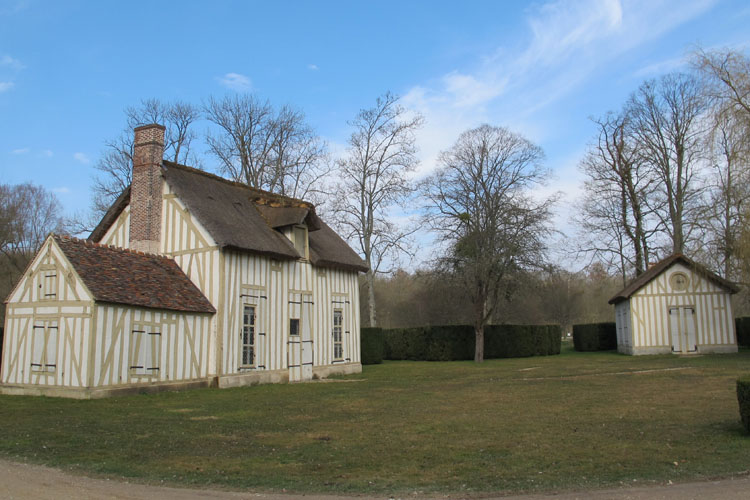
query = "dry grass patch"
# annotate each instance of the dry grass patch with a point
(571, 421)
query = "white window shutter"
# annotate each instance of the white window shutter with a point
(51, 359)
(37, 347)
(153, 353)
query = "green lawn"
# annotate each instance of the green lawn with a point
(577, 420)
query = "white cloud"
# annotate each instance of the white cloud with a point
(567, 42)
(236, 81)
(661, 67)
(61, 190)
(20, 151)
(10, 62)
(82, 157)
(313, 67)
(48, 153)
(5, 86)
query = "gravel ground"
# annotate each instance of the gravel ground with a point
(24, 481)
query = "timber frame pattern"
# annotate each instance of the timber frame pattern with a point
(221, 247)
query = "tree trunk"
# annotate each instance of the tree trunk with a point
(479, 321)
(677, 243)
(370, 280)
(479, 343)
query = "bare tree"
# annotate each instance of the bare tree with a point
(480, 204)
(667, 117)
(373, 179)
(726, 209)
(114, 168)
(613, 214)
(267, 149)
(726, 76)
(28, 213)
(601, 235)
(726, 82)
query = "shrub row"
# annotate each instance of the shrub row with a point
(595, 337)
(456, 342)
(743, 397)
(371, 342)
(743, 331)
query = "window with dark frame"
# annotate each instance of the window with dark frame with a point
(248, 336)
(294, 327)
(338, 334)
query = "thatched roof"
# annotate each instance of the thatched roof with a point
(661, 266)
(244, 218)
(123, 276)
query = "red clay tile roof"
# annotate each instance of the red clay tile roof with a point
(663, 265)
(134, 278)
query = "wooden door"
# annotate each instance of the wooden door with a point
(682, 328)
(294, 351)
(306, 339)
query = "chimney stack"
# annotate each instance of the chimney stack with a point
(145, 189)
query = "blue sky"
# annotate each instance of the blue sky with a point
(69, 68)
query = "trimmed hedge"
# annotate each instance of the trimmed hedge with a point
(456, 342)
(372, 345)
(743, 397)
(743, 331)
(595, 337)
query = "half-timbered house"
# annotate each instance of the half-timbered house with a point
(676, 306)
(189, 279)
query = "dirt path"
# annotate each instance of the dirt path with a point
(23, 481)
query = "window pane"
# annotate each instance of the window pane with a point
(294, 326)
(248, 336)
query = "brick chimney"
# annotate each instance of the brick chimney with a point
(145, 189)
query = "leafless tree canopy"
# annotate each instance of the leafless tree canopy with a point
(726, 82)
(266, 148)
(666, 116)
(614, 218)
(28, 213)
(547, 296)
(726, 76)
(728, 194)
(374, 178)
(480, 203)
(114, 168)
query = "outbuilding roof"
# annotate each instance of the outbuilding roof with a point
(661, 266)
(127, 277)
(244, 218)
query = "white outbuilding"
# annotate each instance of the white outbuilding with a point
(676, 306)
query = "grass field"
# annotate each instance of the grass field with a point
(578, 420)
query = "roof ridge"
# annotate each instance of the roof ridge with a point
(87, 242)
(262, 192)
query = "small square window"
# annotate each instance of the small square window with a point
(294, 327)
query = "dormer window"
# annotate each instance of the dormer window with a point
(299, 234)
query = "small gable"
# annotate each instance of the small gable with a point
(675, 274)
(126, 277)
(48, 278)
